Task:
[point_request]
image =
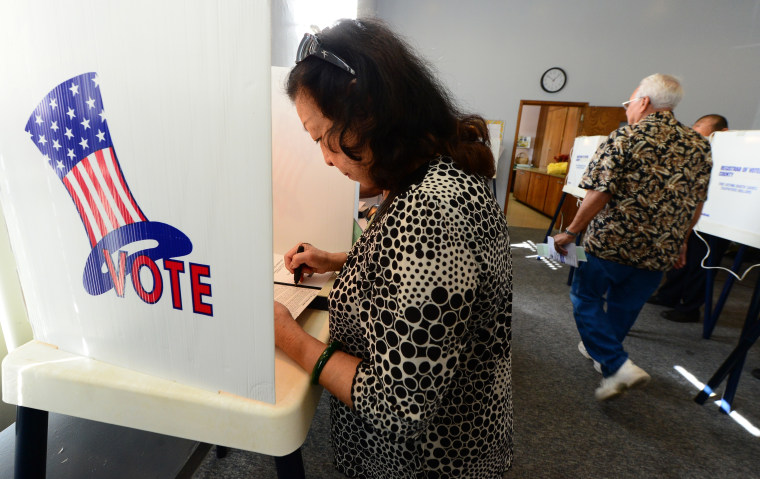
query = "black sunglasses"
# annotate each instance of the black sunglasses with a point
(310, 46)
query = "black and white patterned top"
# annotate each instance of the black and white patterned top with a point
(657, 172)
(425, 300)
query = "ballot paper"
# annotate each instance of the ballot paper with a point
(296, 297)
(574, 253)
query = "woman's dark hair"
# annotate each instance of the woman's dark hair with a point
(394, 105)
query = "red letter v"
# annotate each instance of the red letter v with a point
(118, 280)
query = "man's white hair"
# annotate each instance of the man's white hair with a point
(664, 91)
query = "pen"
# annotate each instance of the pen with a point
(297, 272)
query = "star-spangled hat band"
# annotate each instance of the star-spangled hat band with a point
(69, 127)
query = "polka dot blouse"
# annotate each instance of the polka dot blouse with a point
(425, 300)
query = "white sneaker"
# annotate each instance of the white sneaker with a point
(582, 349)
(628, 376)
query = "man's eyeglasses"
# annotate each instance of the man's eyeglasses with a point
(310, 46)
(626, 103)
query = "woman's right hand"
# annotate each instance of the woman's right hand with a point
(313, 260)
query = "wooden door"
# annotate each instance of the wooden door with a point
(572, 126)
(554, 129)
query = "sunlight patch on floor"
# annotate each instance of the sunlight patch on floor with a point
(741, 420)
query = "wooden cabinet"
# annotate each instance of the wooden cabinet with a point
(553, 194)
(531, 188)
(542, 192)
(556, 126)
(569, 209)
(537, 190)
(522, 181)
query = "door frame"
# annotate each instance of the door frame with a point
(541, 103)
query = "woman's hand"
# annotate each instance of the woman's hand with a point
(313, 260)
(286, 329)
(337, 375)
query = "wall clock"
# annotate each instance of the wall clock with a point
(553, 80)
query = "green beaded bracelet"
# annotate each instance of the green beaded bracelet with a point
(323, 358)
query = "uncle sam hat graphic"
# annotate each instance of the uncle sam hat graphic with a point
(69, 127)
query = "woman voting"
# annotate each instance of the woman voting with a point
(418, 363)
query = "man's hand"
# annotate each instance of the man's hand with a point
(592, 204)
(681, 258)
(561, 240)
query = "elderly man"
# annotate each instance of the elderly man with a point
(645, 187)
(684, 288)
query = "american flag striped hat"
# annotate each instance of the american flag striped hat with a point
(69, 127)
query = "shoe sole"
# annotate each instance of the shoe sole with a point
(585, 354)
(642, 381)
(611, 394)
(582, 350)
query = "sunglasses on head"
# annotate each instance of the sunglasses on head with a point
(310, 46)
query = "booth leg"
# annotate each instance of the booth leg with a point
(290, 466)
(554, 218)
(221, 451)
(31, 443)
(732, 366)
(712, 318)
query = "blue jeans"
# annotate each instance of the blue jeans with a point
(627, 289)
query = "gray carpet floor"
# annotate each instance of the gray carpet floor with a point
(561, 431)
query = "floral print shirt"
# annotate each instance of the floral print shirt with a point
(657, 172)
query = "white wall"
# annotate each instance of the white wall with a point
(491, 53)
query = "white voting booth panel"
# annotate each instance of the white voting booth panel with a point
(312, 202)
(135, 166)
(584, 148)
(732, 209)
(496, 135)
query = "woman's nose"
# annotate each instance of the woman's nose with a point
(327, 154)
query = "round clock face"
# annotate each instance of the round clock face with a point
(553, 79)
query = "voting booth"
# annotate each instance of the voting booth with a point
(135, 163)
(732, 209)
(136, 182)
(731, 212)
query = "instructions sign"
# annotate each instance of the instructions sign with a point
(583, 150)
(733, 198)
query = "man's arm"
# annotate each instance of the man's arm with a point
(592, 204)
(682, 258)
